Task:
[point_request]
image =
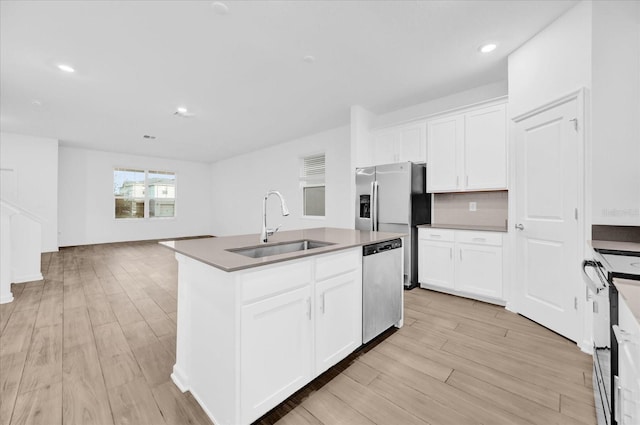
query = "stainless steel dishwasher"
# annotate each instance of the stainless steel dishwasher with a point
(382, 287)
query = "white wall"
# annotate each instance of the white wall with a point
(34, 161)
(240, 183)
(453, 101)
(554, 63)
(87, 204)
(615, 163)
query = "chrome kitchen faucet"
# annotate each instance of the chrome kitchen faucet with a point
(285, 212)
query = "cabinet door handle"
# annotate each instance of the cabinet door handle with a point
(479, 239)
(451, 253)
(457, 181)
(466, 180)
(309, 308)
(322, 303)
(435, 236)
(461, 255)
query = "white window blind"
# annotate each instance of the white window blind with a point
(313, 186)
(313, 168)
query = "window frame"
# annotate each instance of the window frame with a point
(147, 197)
(307, 181)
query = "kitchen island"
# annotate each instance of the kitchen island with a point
(252, 328)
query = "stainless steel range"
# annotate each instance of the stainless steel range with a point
(606, 266)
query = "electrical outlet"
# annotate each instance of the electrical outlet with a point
(473, 206)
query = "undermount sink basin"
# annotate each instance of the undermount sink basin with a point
(281, 248)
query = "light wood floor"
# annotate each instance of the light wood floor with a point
(94, 343)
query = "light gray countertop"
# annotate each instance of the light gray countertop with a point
(464, 227)
(213, 251)
(630, 291)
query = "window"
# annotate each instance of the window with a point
(144, 193)
(312, 182)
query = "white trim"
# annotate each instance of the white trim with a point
(577, 94)
(441, 114)
(180, 379)
(27, 278)
(7, 298)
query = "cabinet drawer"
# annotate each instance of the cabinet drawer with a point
(274, 280)
(480, 238)
(337, 263)
(430, 234)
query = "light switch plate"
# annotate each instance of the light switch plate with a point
(473, 206)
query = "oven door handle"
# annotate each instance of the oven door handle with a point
(587, 279)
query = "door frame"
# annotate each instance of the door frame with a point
(583, 203)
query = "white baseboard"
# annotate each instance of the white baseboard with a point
(6, 298)
(179, 379)
(27, 278)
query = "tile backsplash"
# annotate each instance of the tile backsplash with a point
(491, 208)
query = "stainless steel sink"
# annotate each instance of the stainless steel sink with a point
(281, 248)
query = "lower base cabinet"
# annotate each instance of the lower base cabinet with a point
(461, 262)
(627, 392)
(249, 339)
(276, 349)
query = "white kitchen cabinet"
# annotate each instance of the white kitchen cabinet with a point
(627, 394)
(247, 340)
(338, 326)
(400, 143)
(461, 262)
(468, 151)
(276, 349)
(435, 258)
(479, 270)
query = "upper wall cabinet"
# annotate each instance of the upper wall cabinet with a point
(400, 143)
(468, 151)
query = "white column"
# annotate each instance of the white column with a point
(5, 256)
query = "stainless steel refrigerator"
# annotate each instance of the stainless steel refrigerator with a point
(392, 198)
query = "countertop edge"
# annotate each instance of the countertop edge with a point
(630, 291)
(464, 227)
(249, 263)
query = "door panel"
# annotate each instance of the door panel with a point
(276, 350)
(394, 197)
(485, 150)
(443, 140)
(546, 195)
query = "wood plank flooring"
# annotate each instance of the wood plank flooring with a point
(94, 343)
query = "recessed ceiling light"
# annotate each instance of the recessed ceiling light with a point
(181, 111)
(486, 48)
(220, 8)
(309, 59)
(65, 68)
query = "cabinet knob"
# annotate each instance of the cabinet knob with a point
(519, 226)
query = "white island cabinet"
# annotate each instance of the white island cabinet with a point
(249, 339)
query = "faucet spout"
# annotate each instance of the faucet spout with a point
(264, 235)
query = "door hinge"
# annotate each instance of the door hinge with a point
(575, 303)
(575, 123)
(575, 213)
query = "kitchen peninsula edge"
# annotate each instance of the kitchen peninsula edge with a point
(252, 331)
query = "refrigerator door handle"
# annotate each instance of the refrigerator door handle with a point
(374, 212)
(372, 208)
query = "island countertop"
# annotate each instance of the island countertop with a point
(214, 251)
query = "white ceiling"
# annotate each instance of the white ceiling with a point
(242, 73)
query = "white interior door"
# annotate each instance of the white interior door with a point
(547, 187)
